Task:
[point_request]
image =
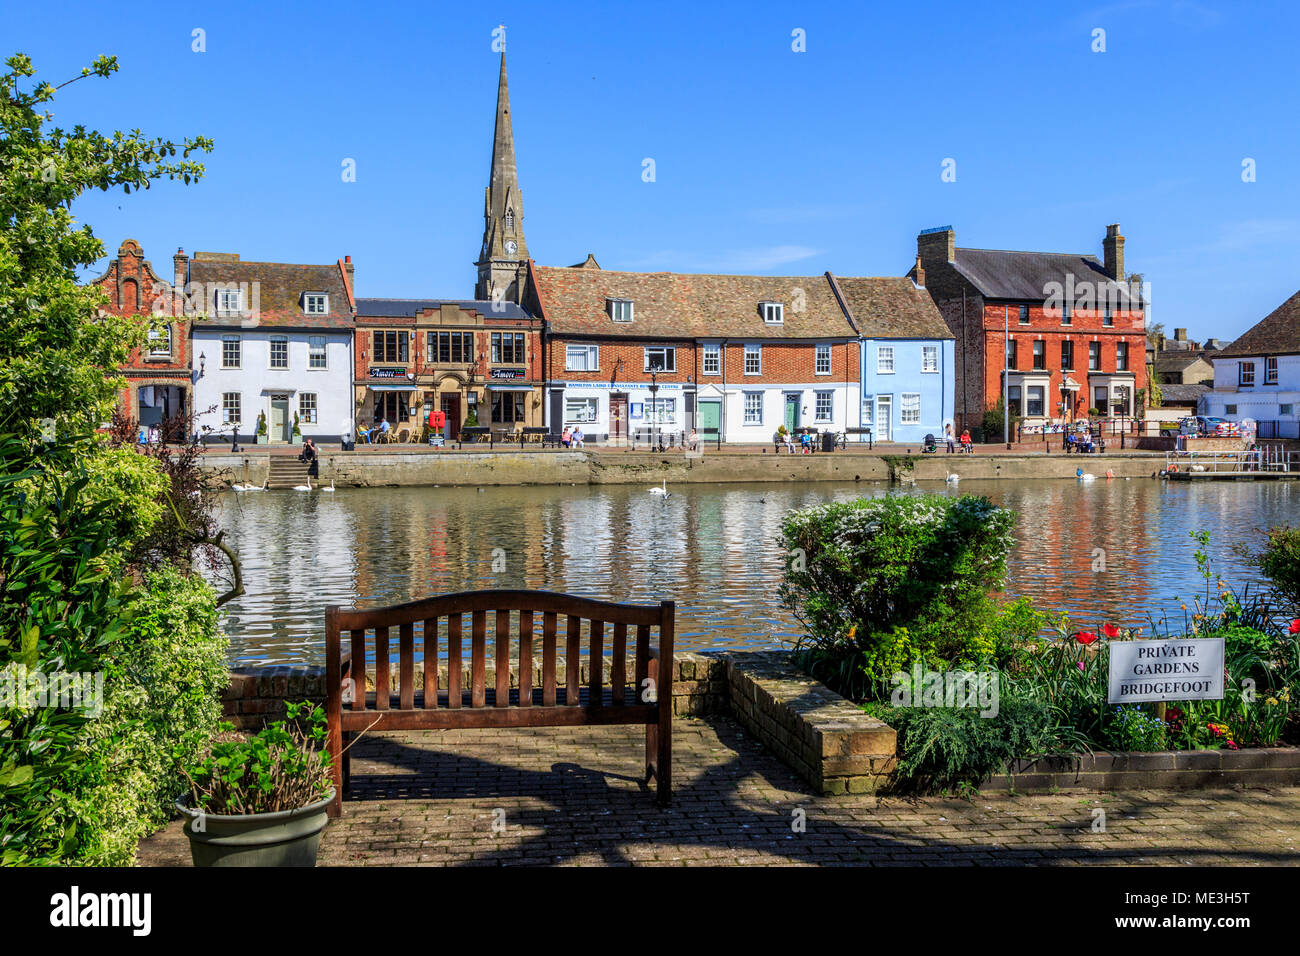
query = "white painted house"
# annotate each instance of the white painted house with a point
(272, 339)
(1257, 377)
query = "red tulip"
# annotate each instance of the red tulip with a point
(1110, 630)
(1085, 637)
(1295, 626)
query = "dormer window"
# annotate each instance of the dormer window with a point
(620, 310)
(773, 312)
(230, 300)
(315, 303)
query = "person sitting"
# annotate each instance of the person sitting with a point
(1070, 442)
(578, 437)
(966, 445)
(566, 437)
(364, 433)
(805, 443)
(384, 428)
(693, 441)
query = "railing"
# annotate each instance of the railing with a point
(1278, 430)
(1267, 458)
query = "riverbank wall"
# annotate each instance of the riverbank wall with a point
(397, 469)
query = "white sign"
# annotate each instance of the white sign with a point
(1143, 671)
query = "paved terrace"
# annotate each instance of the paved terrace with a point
(573, 796)
(728, 448)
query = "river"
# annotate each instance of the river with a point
(711, 548)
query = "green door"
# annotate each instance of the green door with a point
(792, 400)
(710, 420)
(281, 428)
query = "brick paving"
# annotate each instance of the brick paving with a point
(573, 796)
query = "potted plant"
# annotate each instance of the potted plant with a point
(261, 800)
(262, 437)
(297, 432)
(471, 419)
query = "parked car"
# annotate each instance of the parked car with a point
(1205, 427)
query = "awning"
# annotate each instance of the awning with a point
(391, 388)
(510, 388)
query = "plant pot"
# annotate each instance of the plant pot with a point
(287, 838)
(263, 439)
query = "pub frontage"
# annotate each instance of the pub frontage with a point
(477, 362)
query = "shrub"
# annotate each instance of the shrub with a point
(1132, 728)
(1279, 561)
(953, 748)
(878, 583)
(161, 707)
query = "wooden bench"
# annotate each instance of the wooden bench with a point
(860, 431)
(546, 699)
(534, 433)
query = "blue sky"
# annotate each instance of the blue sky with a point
(766, 160)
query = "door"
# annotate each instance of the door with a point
(710, 420)
(281, 427)
(451, 408)
(884, 417)
(792, 400)
(618, 415)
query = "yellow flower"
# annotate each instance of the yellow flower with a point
(1272, 702)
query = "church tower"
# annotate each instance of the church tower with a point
(503, 261)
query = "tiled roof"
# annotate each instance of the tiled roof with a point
(1002, 274)
(891, 308)
(687, 305)
(1177, 361)
(280, 287)
(1277, 333)
(398, 308)
(1183, 394)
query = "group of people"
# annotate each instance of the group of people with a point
(383, 428)
(572, 437)
(967, 446)
(1080, 442)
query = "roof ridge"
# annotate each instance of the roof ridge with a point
(1028, 252)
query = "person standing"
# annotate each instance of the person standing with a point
(949, 438)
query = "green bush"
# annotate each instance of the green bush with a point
(1132, 728)
(954, 748)
(879, 583)
(1280, 563)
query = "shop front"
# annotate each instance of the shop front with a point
(625, 412)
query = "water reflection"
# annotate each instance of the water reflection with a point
(1115, 550)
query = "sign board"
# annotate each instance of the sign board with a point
(636, 410)
(517, 374)
(388, 373)
(1143, 671)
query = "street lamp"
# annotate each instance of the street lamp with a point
(654, 410)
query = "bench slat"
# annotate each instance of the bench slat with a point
(358, 670)
(618, 666)
(548, 659)
(453, 660)
(572, 658)
(642, 659)
(431, 663)
(596, 663)
(406, 659)
(503, 659)
(478, 658)
(382, 691)
(525, 658)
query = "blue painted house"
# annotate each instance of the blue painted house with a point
(906, 358)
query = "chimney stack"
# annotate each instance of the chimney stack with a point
(347, 264)
(180, 273)
(1113, 247)
(937, 245)
(1180, 335)
(920, 273)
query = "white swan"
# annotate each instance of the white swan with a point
(306, 487)
(330, 488)
(953, 479)
(249, 486)
(661, 492)
(1084, 476)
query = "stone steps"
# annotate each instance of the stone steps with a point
(286, 472)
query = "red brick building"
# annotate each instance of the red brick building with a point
(158, 376)
(635, 355)
(413, 356)
(1070, 329)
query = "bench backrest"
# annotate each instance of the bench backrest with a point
(522, 622)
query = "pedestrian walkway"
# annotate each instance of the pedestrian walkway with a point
(552, 796)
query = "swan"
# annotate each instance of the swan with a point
(1083, 476)
(330, 488)
(306, 487)
(249, 486)
(953, 479)
(661, 492)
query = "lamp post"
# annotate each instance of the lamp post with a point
(654, 410)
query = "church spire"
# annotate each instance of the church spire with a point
(503, 259)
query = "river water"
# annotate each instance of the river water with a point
(711, 548)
